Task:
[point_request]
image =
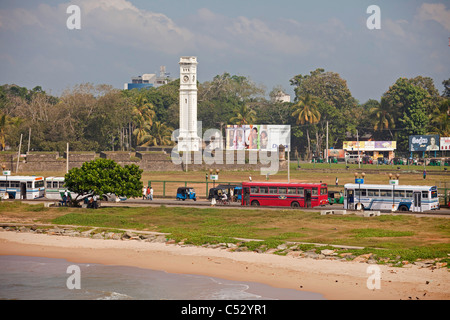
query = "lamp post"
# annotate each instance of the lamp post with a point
(393, 181)
(359, 179)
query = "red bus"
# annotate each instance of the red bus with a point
(279, 194)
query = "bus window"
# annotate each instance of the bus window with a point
(434, 194)
(254, 189)
(272, 190)
(314, 192)
(14, 184)
(385, 193)
(424, 194)
(263, 190)
(292, 190)
(55, 184)
(373, 193)
(363, 192)
(301, 191)
(409, 193)
(323, 191)
(29, 184)
(3, 184)
(282, 190)
(399, 193)
(49, 185)
(39, 184)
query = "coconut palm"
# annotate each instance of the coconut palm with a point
(383, 115)
(439, 119)
(306, 109)
(244, 115)
(160, 134)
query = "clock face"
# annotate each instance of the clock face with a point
(185, 78)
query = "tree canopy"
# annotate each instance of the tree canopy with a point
(104, 176)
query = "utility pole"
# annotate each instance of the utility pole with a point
(67, 158)
(357, 140)
(327, 142)
(18, 153)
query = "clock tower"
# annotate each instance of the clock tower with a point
(188, 139)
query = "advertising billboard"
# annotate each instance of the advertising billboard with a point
(369, 145)
(445, 143)
(258, 137)
(424, 143)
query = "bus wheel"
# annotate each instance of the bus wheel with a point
(403, 208)
(295, 204)
(255, 203)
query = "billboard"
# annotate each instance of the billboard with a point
(258, 137)
(424, 143)
(445, 143)
(369, 145)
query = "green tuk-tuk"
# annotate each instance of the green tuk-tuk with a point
(335, 197)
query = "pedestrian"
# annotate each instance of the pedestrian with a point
(213, 201)
(151, 193)
(148, 192)
(250, 178)
(337, 181)
(425, 174)
(144, 192)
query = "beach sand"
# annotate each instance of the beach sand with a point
(335, 280)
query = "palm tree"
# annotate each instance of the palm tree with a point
(383, 115)
(306, 110)
(439, 119)
(142, 118)
(160, 134)
(244, 115)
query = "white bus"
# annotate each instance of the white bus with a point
(54, 188)
(390, 197)
(21, 187)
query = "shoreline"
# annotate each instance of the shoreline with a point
(335, 280)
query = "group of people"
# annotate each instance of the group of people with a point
(147, 193)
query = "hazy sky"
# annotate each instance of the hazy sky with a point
(269, 41)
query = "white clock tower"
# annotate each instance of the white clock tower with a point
(188, 139)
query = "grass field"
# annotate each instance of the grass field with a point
(401, 237)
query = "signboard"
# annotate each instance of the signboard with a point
(445, 143)
(359, 181)
(393, 182)
(214, 177)
(7, 173)
(424, 143)
(369, 145)
(258, 137)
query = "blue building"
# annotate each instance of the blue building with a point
(149, 80)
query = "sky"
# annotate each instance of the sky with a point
(269, 41)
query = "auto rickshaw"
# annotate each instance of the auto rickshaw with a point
(184, 193)
(335, 197)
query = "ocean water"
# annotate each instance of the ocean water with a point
(35, 278)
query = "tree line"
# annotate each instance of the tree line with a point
(100, 118)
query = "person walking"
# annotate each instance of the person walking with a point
(424, 173)
(148, 192)
(151, 193)
(144, 192)
(337, 181)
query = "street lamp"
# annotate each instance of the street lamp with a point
(359, 181)
(393, 181)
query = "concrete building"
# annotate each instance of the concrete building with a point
(149, 80)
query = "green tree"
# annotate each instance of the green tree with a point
(103, 176)
(382, 115)
(243, 115)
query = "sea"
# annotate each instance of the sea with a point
(38, 278)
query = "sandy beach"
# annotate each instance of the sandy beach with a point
(335, 280)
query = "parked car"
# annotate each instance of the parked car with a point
(184, 193)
